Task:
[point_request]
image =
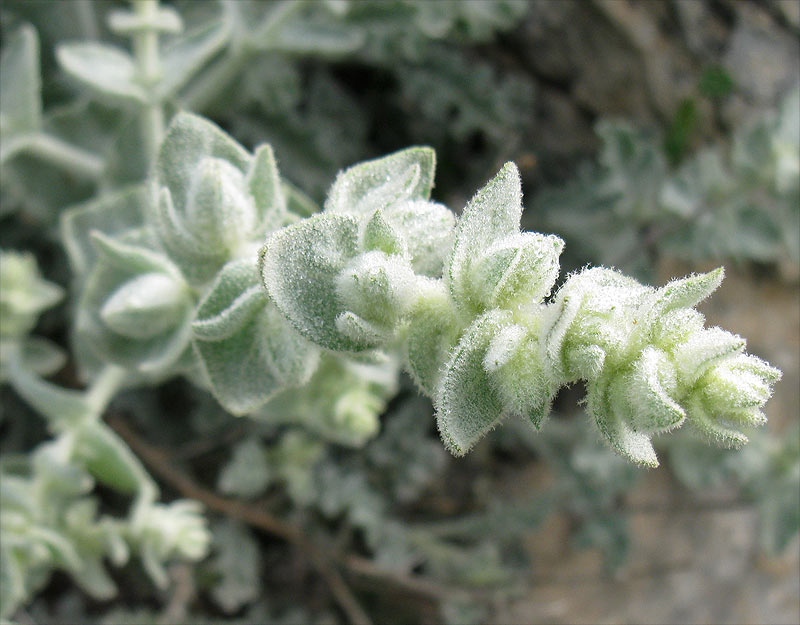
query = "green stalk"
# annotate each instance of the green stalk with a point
(66, 156)
(148, 64)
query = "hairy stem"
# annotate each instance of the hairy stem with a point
(66, 156)
(145, 45)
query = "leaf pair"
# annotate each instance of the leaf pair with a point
(246, 348)
(215, 201)
(345, 278)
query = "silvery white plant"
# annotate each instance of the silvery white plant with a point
(475, 326)
(48, 513)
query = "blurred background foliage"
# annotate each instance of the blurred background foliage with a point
(659, 138)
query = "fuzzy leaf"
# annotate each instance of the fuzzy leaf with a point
(431, 334)
(219, 212)
(187, 54)
(232, 301)
(703, 350)
(299, 267)
(20, 100)
(633, 445)
(111, 214)
(307, 38)
(684, 293)
(366, 187)
(247, 350)
(518, 269)
(145, 306)
(467, 403)
(379, 235)
(492, 214)
(513, 360)
(189, 140)
(428, 230)
(118, 264)
(264, 184)
(109, 459)
(198, 262)
(649, 390)
(377, 287)
(107, 70)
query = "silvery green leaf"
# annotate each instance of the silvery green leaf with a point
(186, 55)
(341, 403)
(165, 532)
(20, 106)
(299, 267)
(372, 185)
(591, 307)
(359, 330)
(431, 333)
(111, 214)
(703, 350)
(265, 186)
(649, 390)
(716, 429)
(610, 418)
(109, 71)
(23, 294)
(518, 269)
(379, 235)
(428, 229)
(744, 381)
(303, 37)
(492, 214)
(515, 366)
(684, 293)
(189, 140)
(145, 306)
(219, 211)
(37, 355)
(247, 473)
(41, 356)
(247, 350)
(198, 261)
(467, 403)
(108, 458)
(231, 302)
(118, 264)
(377, 288)
(56, 404)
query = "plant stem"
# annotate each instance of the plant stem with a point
(66, 156)
(104, 387)
(161, 465)
(145, 45)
